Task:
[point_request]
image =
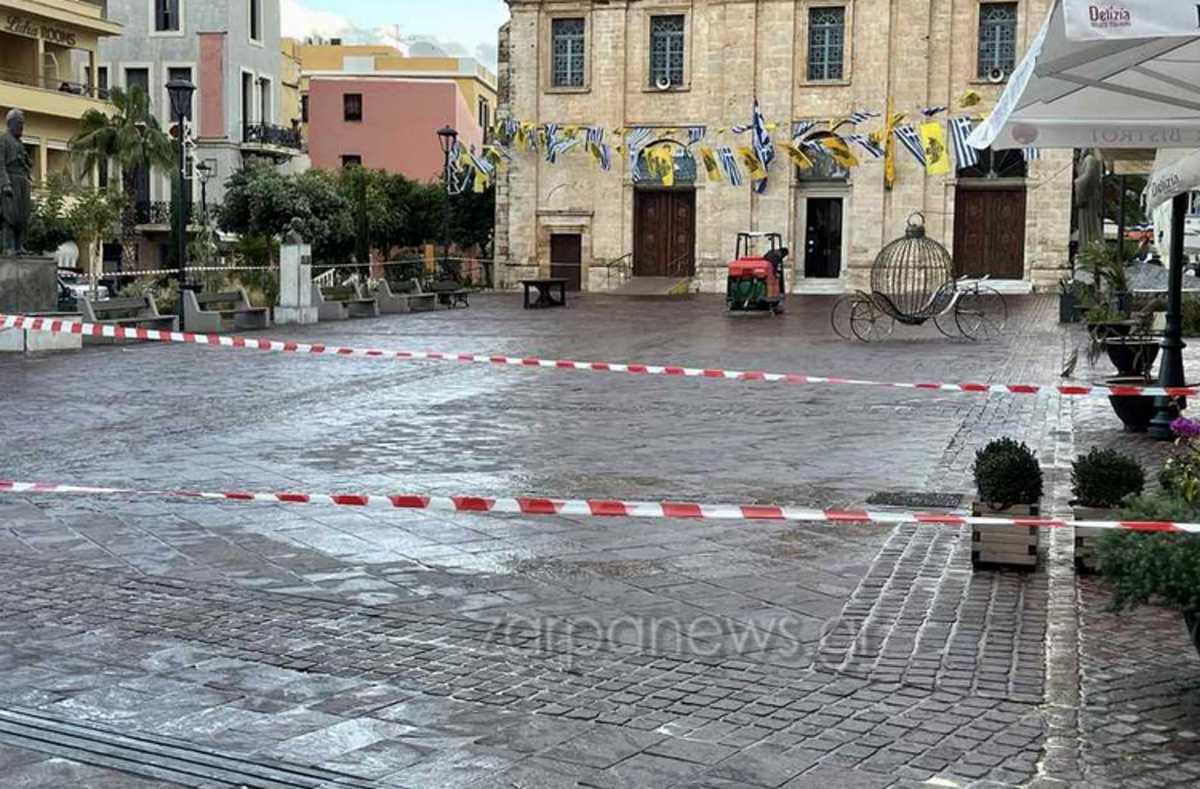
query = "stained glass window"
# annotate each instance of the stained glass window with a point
(666, 50)
(997, 38)
(826, 43)
(567, 42)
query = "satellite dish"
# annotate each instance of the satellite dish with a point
(997, 75)
(663, 82)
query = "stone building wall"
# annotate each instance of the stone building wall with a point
(920, 52)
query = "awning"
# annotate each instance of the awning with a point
(1114, 92)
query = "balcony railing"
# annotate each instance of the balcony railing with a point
(50, 82)
(157, 212)
(268, 134)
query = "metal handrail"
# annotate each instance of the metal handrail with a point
(674, 264)
(608, 267)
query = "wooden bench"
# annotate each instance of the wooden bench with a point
(222, 312)
(450, 293)
(412, 301)
(139, 312)
(338, 304)
(545, 290)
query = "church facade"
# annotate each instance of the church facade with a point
(669, 68)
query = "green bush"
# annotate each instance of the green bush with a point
(1007, 473)
(1148, 567)
(1105, 478)
(164, 291)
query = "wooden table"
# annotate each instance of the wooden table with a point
(545, 289)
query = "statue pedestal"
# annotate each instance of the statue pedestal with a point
(28, 284)
(295, 284)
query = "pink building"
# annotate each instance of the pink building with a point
(387, 123)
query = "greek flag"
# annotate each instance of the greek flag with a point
(866, 143)
(509, 127)
(912, 141)
(1032, 154)
(764, 148)
(696, 134)
(635, 140)
(965, 155)
(937, 109)
(801, 128)
(559, 147)
(860, 116)
(482, 164)
(729, 164)
(551, 130)
(595, 135)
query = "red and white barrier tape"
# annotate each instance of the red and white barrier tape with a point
(60, 326)
(599, 508)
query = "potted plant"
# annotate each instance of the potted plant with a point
(1101, 481)
(1155, 567)
(1073, 296)
(1008, 479)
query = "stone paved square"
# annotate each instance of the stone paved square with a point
(152, 641)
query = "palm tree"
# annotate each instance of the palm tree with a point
(131, 138)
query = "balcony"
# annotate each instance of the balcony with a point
(268, 138)
(48, 95)
(156, 214)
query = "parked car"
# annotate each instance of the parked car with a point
(72, 286)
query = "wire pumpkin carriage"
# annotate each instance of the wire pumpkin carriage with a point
(912, 281)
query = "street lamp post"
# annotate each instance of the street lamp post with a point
(206, 170)
(446, 137)
(180, 91)
(1170, 370)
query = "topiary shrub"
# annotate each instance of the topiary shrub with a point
(1105, 478)
(1007, 473)
(1146, 567)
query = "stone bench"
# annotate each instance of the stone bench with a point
(338, 304)
(137, 312)
(414, 301)
(450, 293)
(222, 312)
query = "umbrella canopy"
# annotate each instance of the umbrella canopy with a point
(1117, 89)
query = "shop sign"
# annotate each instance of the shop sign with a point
(24, 26)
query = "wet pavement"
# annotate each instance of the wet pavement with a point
(207, 644)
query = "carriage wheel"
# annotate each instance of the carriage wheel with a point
(840, 317)
(981, 314)
(869, 323)
(942, 322)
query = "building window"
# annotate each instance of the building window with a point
(102, 81)
(485, 115)
(567, 43)
(166, 16)
(666, 50)
(826, 43)
(256, 20)
(304, 108)
(265, 104)
(351, 160)
(247, 97)
(997, 39)
(352, 107)
(184, 74)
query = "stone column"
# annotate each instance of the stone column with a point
(295, 282)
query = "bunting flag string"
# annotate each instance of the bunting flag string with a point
(911, 140)
(729, 165)
(964, 155)
(696, 134)
(867, 144)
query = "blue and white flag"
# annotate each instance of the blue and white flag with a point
(1032, 154)
(965, 155)
(801, 128)
(937, 109)
(867, 144)
(595, 135)
(762, 144)
(860, 116)
(911, 140)
(696, 134)
(595, 140)
(635, 140)
(729, 165)
(559, 147)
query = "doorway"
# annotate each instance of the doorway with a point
(566, 258)
(664, 233)
(989, 232)
(823, 238)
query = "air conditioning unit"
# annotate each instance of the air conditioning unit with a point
(997, 75)
(663, 83)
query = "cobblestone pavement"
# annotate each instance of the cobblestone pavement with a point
(205, 644)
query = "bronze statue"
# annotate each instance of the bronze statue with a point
(16, 198)
(1089, 198)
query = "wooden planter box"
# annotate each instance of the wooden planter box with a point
(1005, 546)
(1087, 538)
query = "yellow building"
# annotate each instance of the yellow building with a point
(289, 81)
(476, 84)
(47, 63)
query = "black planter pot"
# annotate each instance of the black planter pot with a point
(1134, 411)
(1124, 302)
(1132, 355)
(1192, 620)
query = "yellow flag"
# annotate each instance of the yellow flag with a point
(969, 99)
(933, 140)
(709, 157)
(797, 156)
(753, 165)
(839, 150)
(480, 183)
(889, 146)
(661, 163)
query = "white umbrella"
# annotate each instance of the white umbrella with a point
(1120, 89)
(1118, 74)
